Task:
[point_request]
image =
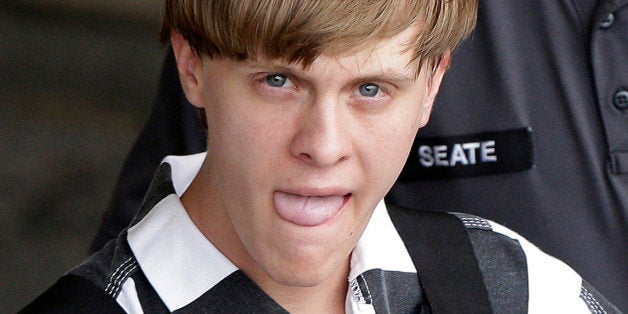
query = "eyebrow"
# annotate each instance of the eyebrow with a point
(272, 66)
(394, 77)
(399, 78)
(391, 77)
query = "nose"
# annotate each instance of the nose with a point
(322, 139)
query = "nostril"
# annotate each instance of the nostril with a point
(306, 156)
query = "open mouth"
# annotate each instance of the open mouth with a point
(308, 211)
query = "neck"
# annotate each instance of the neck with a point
(327, 296)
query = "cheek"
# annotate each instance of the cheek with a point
(396, 148)
(241, 121)
(388, 147)
(236, 146)
(396, 131)
(245, 144)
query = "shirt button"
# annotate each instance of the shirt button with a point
(620, 99)
(607, 21)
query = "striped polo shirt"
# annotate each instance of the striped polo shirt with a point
(163, 263)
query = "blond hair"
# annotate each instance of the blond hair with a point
(300, 30)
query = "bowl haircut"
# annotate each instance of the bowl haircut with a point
(298, 31)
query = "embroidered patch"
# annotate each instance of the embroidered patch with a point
(470, 155)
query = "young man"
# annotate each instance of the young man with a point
(312, 108)
(525, 70)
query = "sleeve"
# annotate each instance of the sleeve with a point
(73, 294)
(173, 128)
(553, 286)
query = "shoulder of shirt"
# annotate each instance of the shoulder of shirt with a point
(475, 223)
(110, 267)
(551, 284)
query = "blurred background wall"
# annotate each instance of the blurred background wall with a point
(77, 80)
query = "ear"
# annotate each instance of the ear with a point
(433, 86)
(190, 68)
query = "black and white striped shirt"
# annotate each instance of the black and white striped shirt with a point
(163, 263)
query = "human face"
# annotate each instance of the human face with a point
(299, 158)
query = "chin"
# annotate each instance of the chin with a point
(306, 271)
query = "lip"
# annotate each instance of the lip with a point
(322, 192)
(309, 191)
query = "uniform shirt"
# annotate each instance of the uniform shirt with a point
(532, 116)
(164, 263)
(536, 94)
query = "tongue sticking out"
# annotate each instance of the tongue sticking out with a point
(307, 210)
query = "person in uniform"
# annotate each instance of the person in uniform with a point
(529, 129)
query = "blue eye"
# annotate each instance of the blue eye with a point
(369, 90)
(278, 80)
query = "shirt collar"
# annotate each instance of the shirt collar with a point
(380, 247)
(167, 238)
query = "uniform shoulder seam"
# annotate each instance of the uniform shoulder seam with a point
(120, 275)
(591, 301)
